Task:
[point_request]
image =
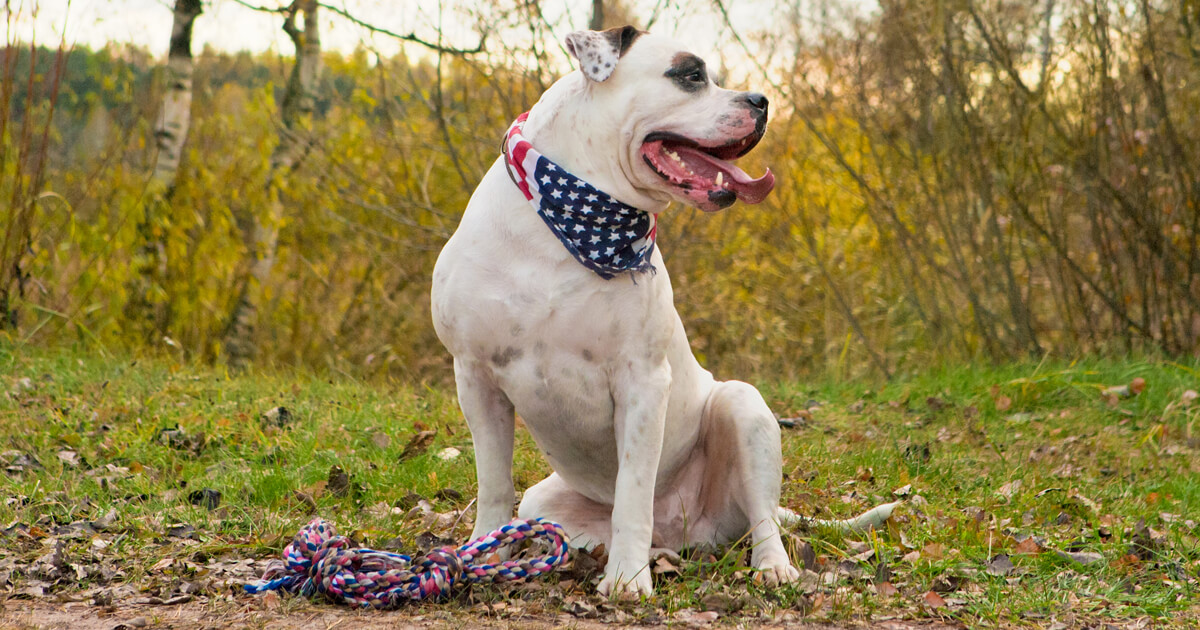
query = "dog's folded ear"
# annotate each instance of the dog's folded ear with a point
(599, 51)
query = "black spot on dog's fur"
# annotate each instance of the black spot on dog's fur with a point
(622, 37)
(502, 359)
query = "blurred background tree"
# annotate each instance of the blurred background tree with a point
(957, 180)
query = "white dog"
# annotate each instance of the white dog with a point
(555, 303)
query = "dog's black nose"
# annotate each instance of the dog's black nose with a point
(756, 100)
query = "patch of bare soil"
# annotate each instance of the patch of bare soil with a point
(302, 615)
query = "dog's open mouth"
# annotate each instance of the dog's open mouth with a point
(706, 174)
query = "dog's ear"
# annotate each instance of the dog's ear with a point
(599, 51)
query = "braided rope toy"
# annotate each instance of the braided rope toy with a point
(320, 561)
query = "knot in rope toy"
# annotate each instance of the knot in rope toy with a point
(320, 561)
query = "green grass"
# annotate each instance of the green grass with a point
(1059, 463)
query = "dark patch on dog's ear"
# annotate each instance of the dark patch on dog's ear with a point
(622, 37)
(599, 51)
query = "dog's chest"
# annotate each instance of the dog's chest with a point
(557, 340)
(535, 326)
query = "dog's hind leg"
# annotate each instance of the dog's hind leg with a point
(491, 418)
(742, 441)
(587, 522)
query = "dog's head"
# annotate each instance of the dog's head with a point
(680, 132)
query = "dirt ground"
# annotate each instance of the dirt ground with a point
(29, 615)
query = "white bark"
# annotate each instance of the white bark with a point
(171, 128)
(294, 141)
(170, 133)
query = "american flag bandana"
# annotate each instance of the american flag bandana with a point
(602, 233)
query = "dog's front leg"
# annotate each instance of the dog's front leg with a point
(489, 414)
(640, 408)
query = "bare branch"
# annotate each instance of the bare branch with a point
(411, 37)
(255, 7)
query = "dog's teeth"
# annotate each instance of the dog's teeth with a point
(720, 179)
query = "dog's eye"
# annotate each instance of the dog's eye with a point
(697, 77)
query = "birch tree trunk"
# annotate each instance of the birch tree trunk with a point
(597, 21)
(170, 133)
(171, 129)
(294, 142)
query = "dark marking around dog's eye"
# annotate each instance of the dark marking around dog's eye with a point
(688, 72)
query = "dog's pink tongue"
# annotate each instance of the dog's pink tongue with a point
(752, 190)
(748, 189)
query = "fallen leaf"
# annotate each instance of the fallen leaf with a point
(182, 530)
(1081, 557)
(720, 602)
(317, 489)
(18, 462)
(278, 416)
(206, 497)
(693, 618)
(1000, 565)
(1009, 488)
(107, 521)
(306, 499)
(448, 453)
(338, 483)
(933, 600)
(1028, 546)
(381, 440)
(271, 601)
(864, 556)
(1003, 403)
(580, 608)
(808, 555)
(663, 565)
(947, 584)
(418, 444)
(448, 494)
(429, 540)
(70, 458)
(886, 589)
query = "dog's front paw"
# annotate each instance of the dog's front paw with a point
(626, 580)
(775, 570)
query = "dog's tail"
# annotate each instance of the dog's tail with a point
(872, 518)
